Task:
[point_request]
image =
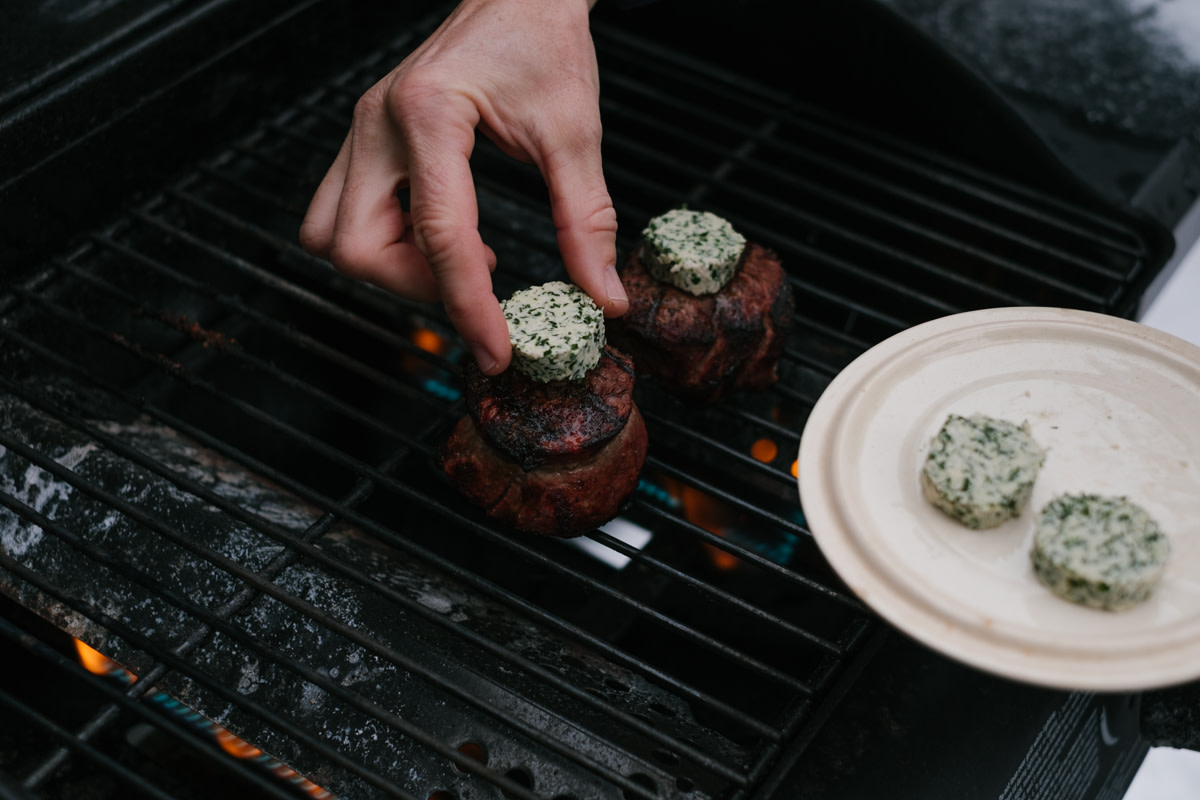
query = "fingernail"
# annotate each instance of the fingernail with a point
(486, 361)
(614, 287)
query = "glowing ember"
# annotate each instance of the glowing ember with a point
(473, 751)
(95, 661)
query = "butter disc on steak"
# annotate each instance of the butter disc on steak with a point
(556, 452)
(556, 331)
(709, 313)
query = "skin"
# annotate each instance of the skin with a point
(522, 72)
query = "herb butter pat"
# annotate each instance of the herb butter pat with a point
(981, 470)
(696, 251)
(556, 331)
(1102, 552)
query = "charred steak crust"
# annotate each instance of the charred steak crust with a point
(702, 348)
(537, 423)
(563, 499)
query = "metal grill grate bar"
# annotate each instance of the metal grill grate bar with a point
(310, 675)
(876, 217)
(958, 206)
(75, 744)
(628, 56)
(303, 342)
(364, 470)
(164, 657)
(348, 513)
(737, 456)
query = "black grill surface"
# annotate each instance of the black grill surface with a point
(216, 470)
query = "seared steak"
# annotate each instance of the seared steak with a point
(534, 423)
(701, 348)
(557, 458)
(566, 498)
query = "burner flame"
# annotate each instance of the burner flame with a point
(712, 515)
(236, 746)
(99, 664)
(430, 341)
(764, 450)
(433, 379)
(239, 748)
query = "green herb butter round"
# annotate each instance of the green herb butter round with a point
(1103, 552)
(981, 470)
(696, 251)
(556, 331)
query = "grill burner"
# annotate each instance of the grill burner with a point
(216, 460)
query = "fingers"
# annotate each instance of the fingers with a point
(316, 230)
(372, 236)
(356, 221)
(446, 228)
(586, 221)
(490, 68)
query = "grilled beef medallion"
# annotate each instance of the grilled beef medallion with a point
(534, 423)
(557, 458)
(703, 347)
(554, 444)
(566, 498)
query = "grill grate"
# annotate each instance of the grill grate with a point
(216, 464)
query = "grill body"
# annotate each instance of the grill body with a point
(217, 451)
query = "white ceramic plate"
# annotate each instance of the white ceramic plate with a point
(1117, 405)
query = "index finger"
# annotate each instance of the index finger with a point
(445, 221)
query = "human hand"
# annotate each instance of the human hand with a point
(524, 73)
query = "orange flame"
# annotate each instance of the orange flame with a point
(429, 341)
(93, 660)
(725, 562)
(236, 746)
(704, 510)
(710, 514)
(764, 450)
(97, 663)
(239, 748)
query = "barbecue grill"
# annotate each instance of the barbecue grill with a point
(226, 560)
